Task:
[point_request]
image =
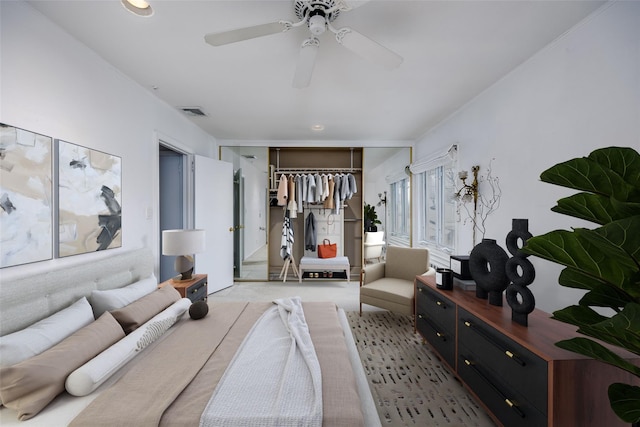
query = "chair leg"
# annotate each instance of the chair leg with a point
(360, 309)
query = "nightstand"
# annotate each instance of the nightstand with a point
(194, 289)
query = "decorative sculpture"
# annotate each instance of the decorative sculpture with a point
(520, 272)
(487, 263)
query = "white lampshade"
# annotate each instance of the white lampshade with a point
(182, 242)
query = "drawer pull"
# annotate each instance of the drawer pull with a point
(496, 344)
(510, 403)
(467, 362)
(420, 316)
(419, 289)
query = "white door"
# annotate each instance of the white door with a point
(213, 190)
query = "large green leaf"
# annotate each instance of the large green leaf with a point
(605, 296)
(595, 208)
(625, 401)
(622, 329)
(585, 174)
(624, 161)
(567, 248)
(590, 348)
(619, 238)
(574, 278)
(578, 315)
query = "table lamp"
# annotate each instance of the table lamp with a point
(183, 243)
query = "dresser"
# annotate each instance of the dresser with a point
(516, 372)
(194, 289)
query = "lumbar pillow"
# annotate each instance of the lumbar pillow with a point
(44, 334)
(198, 310)
(92, 374)
(112, 299)
(29, 386)
(138, 312)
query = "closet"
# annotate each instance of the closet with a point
(343, 227)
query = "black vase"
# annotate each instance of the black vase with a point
(487, 263)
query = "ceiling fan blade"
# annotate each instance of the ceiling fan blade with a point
(306, 61)
(240, 34)
(351, 4)
(367, 48)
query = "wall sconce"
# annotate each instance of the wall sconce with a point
(383, 198)
(469, 192)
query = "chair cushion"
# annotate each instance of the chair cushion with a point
(397, 290)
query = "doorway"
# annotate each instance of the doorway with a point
(172, 196)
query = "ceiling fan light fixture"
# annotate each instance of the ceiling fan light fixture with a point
(317, 24)
(138, 7)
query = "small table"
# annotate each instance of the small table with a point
(194, 289)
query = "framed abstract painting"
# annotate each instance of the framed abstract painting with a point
(26, 195)
(89, 200)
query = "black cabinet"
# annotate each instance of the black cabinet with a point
(518, 373)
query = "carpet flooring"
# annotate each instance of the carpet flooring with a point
(410, 386)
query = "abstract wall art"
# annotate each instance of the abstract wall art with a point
(26, 188)
(89, 200)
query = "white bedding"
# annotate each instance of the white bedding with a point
(65, 407)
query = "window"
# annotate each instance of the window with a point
(436, 212)
(400, 211)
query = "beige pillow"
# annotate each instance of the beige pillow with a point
(138, 312)
(30, 385)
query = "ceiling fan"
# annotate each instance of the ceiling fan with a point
(318, 16)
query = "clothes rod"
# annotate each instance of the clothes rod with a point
(313, 170)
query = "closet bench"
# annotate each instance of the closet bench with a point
(340, 263)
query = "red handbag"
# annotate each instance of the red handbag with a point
(327, 249)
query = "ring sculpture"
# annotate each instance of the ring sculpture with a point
(520, 272)
(487, 263)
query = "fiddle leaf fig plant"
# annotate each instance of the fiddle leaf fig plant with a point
(604, 261)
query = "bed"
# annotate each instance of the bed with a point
(176, 369)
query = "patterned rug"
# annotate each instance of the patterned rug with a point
(410, 386)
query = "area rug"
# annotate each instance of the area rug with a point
(409, 384)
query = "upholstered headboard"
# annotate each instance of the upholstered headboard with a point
(25, 300)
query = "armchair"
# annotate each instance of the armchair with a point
(373, 245)
(389, 284)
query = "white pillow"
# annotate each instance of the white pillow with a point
(113, 299)
(46, 333)
(92, 374)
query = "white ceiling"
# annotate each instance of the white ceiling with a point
(452, 51)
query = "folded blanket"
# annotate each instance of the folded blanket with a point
(279, 361)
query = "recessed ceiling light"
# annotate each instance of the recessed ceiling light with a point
(139, 7)
(317, 128)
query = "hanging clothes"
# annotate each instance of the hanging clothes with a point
(300, 180)
(283, 191)
(318, 179)
(325, 188)
(353, 187)
(286, 243)
(291, 204)
(328, 202)
(311, 189)
(337, 193)
(310, 234)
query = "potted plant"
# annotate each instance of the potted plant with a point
(604, 261)
(370, 218)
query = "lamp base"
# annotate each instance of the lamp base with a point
(184, 266)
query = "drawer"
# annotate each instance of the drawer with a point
(439, 309)
(197, 291)
(505, 404)
(442, 340)
(519, 368)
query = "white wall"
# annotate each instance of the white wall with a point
(578, 94)
(52, 84)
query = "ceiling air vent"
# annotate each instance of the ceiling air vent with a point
(193, 111)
